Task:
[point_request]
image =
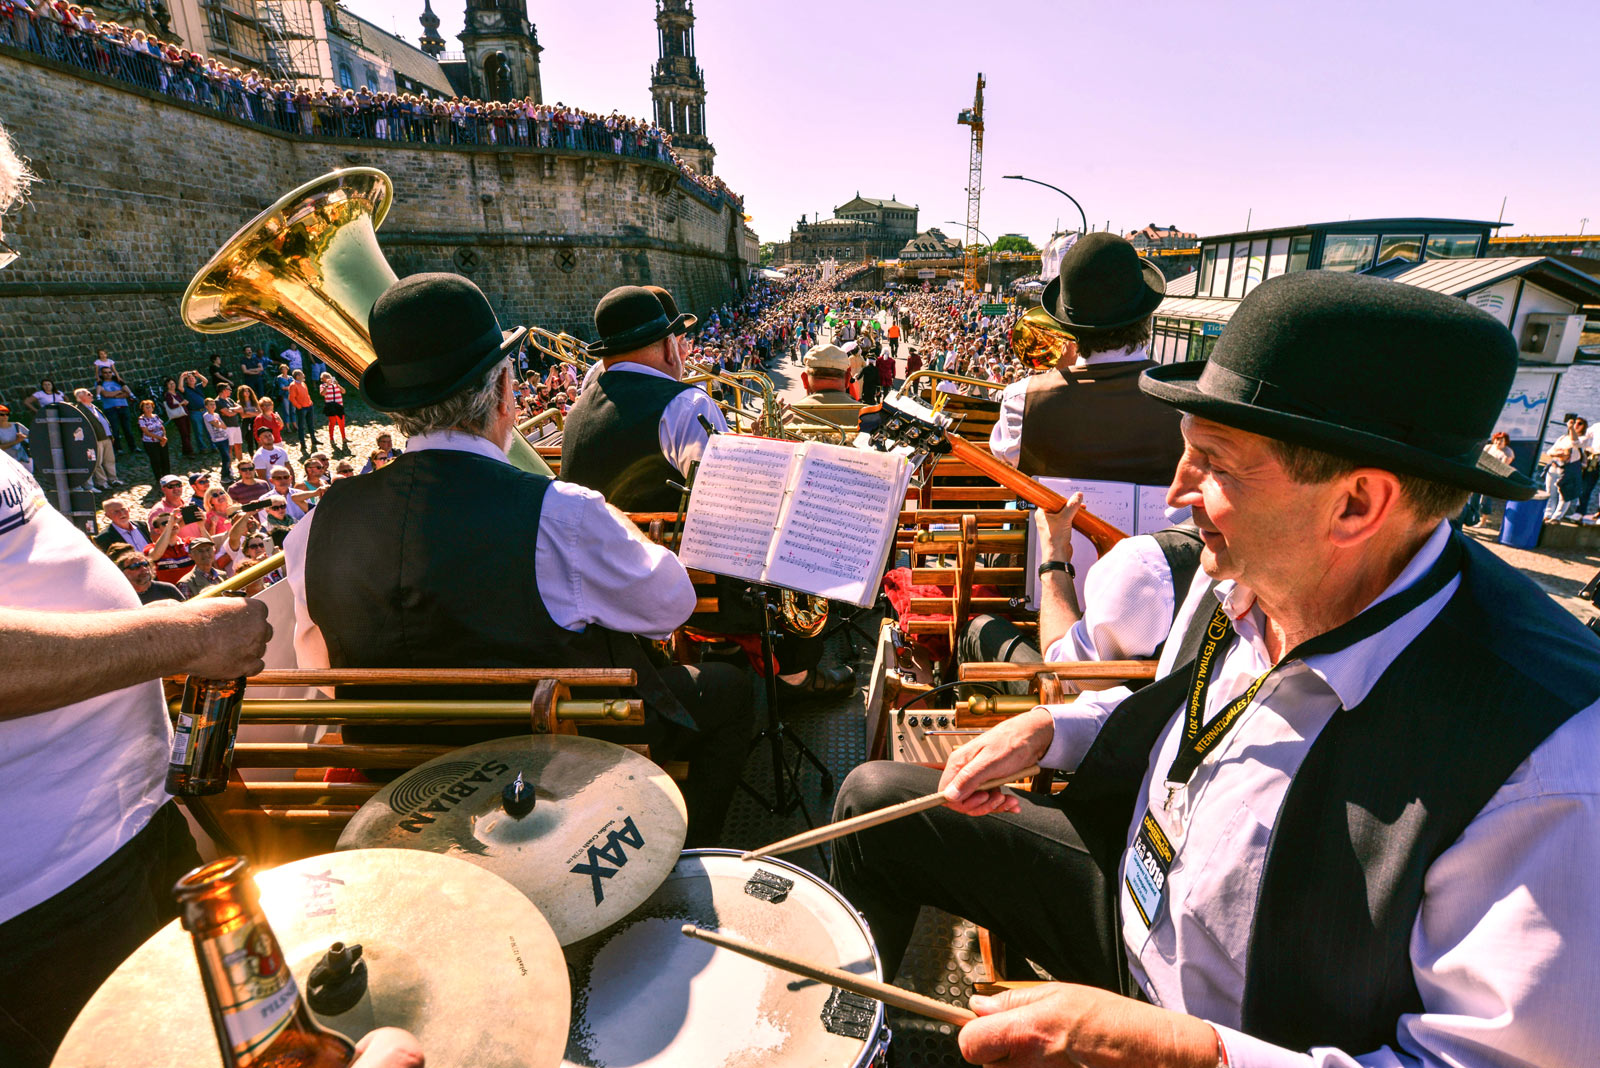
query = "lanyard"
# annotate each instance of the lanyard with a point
(1200, 738)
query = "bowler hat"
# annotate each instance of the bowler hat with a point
(433, 335)
(630, 317)
(1103, 285)
(1377, 372)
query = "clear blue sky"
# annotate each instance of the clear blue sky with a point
(1194, 113)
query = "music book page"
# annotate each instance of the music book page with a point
(738, 493)
(806, 516)
(839, 524)
(1132, 509)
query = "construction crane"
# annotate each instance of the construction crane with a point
(973, 118)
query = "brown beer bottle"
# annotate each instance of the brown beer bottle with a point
(260, 1017)
(203, 737)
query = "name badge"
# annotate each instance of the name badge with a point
(1146, 879)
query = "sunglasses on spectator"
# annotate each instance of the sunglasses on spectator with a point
(140, 566)
(280, 478)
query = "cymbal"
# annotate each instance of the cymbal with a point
(606, 827)
(454, 954)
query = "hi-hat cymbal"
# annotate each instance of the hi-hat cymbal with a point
(605, 829)
(453, 953)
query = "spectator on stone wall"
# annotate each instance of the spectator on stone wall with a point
(153, 436)
(14, 439)
(47, 393)
(104, 475)
(251, 370)
(280, 386)
(216, 374)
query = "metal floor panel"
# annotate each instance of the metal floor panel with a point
(943, 956)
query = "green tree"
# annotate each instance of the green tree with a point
(1014, 243)
(766, 253)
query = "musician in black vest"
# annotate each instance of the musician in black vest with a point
(1356, 818)
(451, 557)
(1086, 418)
(637, 428)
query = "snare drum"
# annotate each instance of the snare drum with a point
(644, 994)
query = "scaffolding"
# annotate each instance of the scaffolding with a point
(276, 37)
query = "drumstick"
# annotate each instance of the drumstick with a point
(855, 984)
(828, 832)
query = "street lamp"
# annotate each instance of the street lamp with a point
(988, 270)
(1082, 217)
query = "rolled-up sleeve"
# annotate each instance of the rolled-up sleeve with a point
(594, 566)
(1076, 725)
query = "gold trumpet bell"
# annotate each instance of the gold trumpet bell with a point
(309, 266)
(1039, 341)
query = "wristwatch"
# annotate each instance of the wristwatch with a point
(1057, 565)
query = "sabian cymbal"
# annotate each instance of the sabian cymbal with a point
(606, 827)
(453, 954)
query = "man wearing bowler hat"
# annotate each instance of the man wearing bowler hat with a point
(634, 433)
(1085, 418)
(450, 557)
(1356, 818)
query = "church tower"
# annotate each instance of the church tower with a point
(431, 42)
(502, 50)
(678, 86)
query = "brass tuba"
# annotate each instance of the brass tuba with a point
(309, 266)
(1039, 341)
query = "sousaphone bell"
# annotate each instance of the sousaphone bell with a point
(310, 267)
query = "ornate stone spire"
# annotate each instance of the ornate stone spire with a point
(679, 87)
(431, 43)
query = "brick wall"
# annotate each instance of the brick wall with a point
(140, 190)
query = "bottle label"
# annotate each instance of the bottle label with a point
(261, 996)
(182, 735)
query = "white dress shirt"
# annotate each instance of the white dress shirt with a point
(1503, 947)
(1005, 440)
(682, 437)
(592, 564)
(1127, 605)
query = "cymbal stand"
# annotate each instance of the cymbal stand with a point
(786, 793)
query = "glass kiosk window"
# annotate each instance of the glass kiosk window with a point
(1451, 246)
(1348, 252)
(1299, 252)
(1400, 246)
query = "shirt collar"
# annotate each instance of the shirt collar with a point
(455, 441)
(1136, 352)
(1352, 672)
(639, 369)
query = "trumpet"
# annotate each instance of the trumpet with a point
(1039, 341)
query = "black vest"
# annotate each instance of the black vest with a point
(430, 562)
(611, 441)
(1385, 788)
(1094, 423)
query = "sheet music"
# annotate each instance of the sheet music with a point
(1115, 502)
(1153, 513)
(841, 514)
(738, 495)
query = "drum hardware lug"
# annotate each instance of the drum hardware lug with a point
(769, 887)
(517, 798)
(338, 980)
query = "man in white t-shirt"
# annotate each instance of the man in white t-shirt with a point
(269, 455)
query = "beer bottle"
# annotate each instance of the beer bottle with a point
(202, 739)
(260, 1018)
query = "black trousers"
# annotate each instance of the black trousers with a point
(55, 956)
(989, 640)
(1032, 878)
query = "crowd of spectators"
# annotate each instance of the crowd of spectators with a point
(70, 33)
(241, 416)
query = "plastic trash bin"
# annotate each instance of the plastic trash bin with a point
(1522, 523)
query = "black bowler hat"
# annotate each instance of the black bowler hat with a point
(433, 335)
(630, 317)
(1378, 372)
(1103, 285)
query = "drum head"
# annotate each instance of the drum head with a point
(644, 994)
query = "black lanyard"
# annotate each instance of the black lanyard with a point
(1200, 738)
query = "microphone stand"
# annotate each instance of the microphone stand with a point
(778, 734)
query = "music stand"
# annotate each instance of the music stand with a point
(778, 734)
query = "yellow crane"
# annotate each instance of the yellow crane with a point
(973, 117)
